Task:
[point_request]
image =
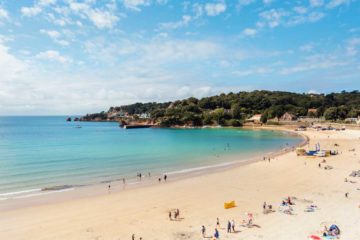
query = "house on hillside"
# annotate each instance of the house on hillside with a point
(288, 117)
(255, 119)
(312, 111)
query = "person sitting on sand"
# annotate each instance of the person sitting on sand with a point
(216, 234)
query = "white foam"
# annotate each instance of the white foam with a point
(198, 169)
(34, 193)
(19, 192)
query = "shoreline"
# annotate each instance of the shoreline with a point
(46, 195)
(143, 211)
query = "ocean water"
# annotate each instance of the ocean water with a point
(41, 152)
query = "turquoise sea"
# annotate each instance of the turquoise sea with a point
(40, 152)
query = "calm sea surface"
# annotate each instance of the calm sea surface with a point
(39, 152)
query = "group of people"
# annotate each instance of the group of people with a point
(133, 237)
(176, 215)
(216, 235)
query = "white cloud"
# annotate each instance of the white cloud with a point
(214, 9)
(245, 2)
(51, 33)
(307, 47)
(253, 71)
(337, 3)
(352, 47)
(10, 66)
(249, 32)
(174, 25)
(300, 9)
(315, 62)
(46, 2)
(316, 3)
(3, 13)
(30, 11)
(52, 55)
(102, 19)
(136, 4)
(55, 36)
(273, 17)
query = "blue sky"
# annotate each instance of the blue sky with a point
(79, 56)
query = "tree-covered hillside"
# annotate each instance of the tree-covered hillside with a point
(233, 108)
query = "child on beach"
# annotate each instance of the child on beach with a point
(203, 231)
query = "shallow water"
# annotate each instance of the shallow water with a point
(43, 152)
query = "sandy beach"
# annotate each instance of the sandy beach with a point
(144, 211)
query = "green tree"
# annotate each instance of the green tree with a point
(331, 113)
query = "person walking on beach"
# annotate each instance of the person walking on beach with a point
(229, 227)
(203, 231)
(217, 222)
(159, 180)
(133, 237)
(177, 213)
(165, 177)
(264, 207)
(216, 234)
(109, 187)
(170, 217)
(233, 225)
(123, 180)
(346, 194)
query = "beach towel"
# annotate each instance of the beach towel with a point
(314, 237)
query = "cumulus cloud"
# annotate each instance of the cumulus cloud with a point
(136, 4)
(52, 55)
(102, 19)
(185, 20)
(214, 9)
(300, 10)
(30, 11)
(3, 13)
(55, 36)
(316, 3)
(249, 32)
(353, 46)
(337, 3)
(273, 17)
(242, 3)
